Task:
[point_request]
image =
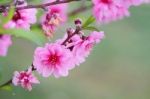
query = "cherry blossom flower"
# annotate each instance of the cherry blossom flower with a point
(53, 59)
(109, 10)
(22, 18)
(83, 47)
(5, 42)
(54, 17)
(24, 79)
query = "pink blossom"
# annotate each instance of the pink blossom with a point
(96, 36)
(55, 16)
(25, 79)
(53, 59)
(82, 48)
(5, 42)
(146, 1)
(22, 18)
(129, 3)
(109, 10)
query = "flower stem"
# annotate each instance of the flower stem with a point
(3, 7)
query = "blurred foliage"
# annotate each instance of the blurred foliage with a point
(37, 37)
(6, 88)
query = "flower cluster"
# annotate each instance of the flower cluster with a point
(111, 10)
(21, 19)
(59, 57)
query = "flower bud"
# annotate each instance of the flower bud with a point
(78, 22)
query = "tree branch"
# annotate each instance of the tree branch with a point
(3, 7)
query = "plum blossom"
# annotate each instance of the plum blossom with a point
(53, 59)
(83, 47)
(55, 16)
(5, 42)
(24, 79)
(58, 58)
(109, 10)
(22, 18)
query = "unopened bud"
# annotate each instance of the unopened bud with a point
(78, 22)
(70, 31)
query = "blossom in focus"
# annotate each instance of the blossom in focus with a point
(54, 17)
(109, 10)
(24, 79)
(53, 59)
(22, 18)
(5, 42)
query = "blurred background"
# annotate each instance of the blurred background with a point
(118, 67)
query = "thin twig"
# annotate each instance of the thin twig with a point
(4, 6)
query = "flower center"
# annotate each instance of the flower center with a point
(1, 35)
(53, 19)
(26, 81)
(54, 59)
(106, 1)
(16, 16)
(23, 76)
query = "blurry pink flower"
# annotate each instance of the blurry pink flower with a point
(5, 42)
(132, 2)
(109, 10)
(83, 47)
(52, 59)
(96, 36)
(146, 1)
(22, 18)
(25, 79)
(55, 16)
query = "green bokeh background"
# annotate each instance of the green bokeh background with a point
(118, 68)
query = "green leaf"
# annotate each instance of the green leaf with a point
(7, 88)
(2, 1)
(89, 21)
(9, 15)
(36, 37)
(92, 28)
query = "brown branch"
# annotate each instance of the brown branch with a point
(3, 7)
(7, 83)
(10, 81)
(46, 4)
